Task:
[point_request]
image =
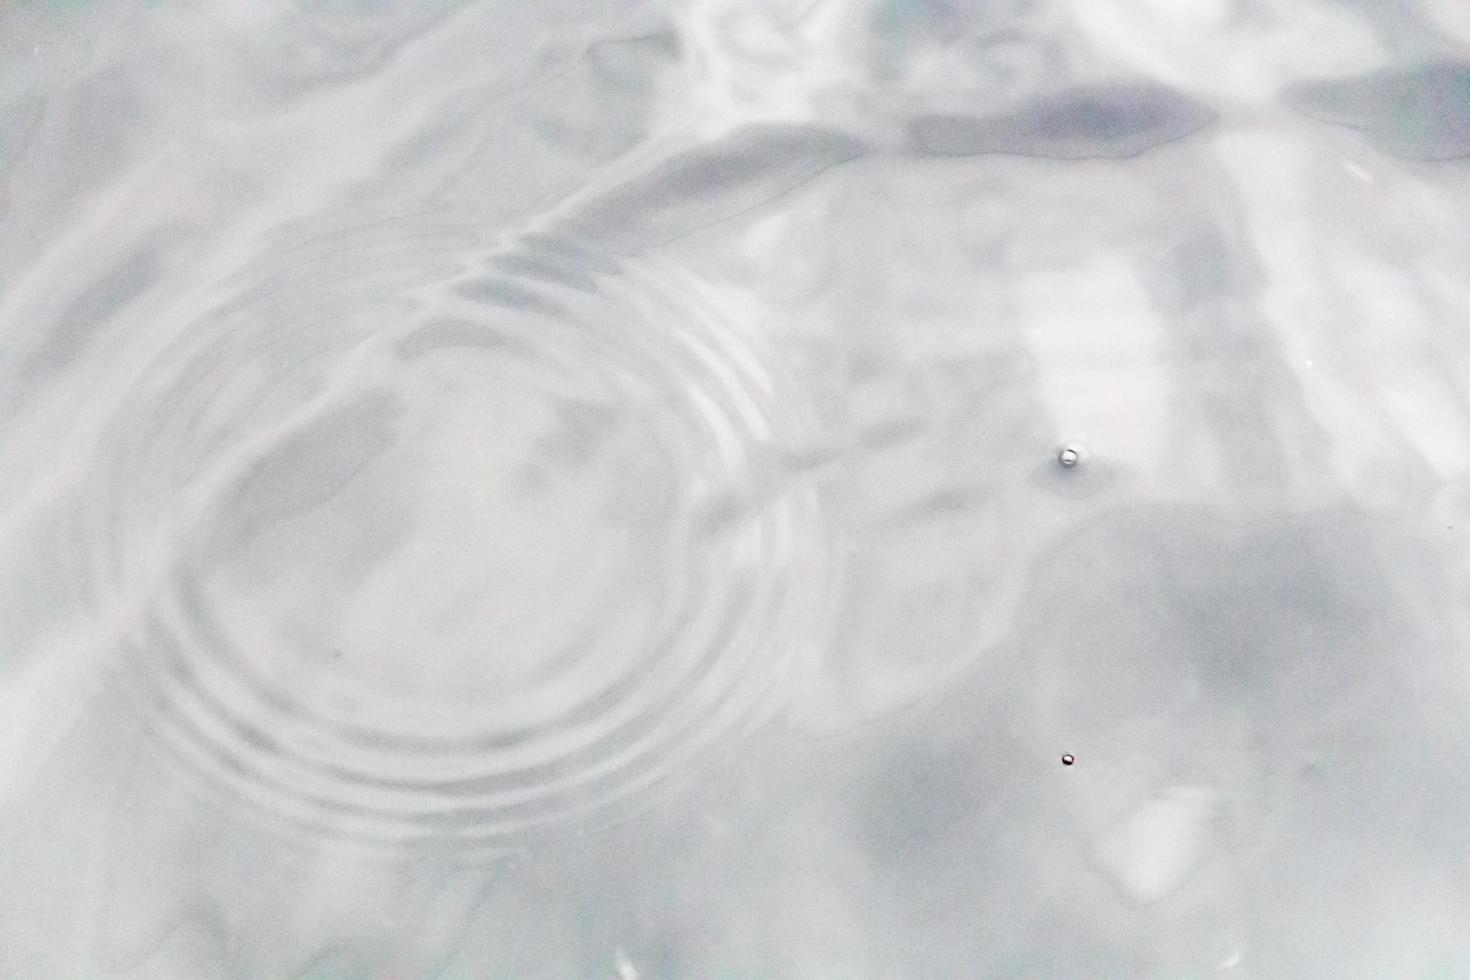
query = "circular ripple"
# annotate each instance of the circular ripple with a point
(439, 545)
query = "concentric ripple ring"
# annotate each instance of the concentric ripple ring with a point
(450, 544)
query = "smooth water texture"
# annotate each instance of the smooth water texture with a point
(734, 489)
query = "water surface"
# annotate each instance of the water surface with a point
(612, 489)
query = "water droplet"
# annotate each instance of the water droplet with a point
(1069, 456)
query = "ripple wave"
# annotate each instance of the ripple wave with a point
(424, 533)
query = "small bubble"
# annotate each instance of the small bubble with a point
(1069, 457)
(1067, 760)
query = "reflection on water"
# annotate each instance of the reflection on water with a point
(654, 489)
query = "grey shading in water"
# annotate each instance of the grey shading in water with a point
(1087, 122)
(309, 44)
(601, 108)
(1233, 377)
(1177, 648)
(198, 890)
(1420, 114)
(702, 187)
(75, 327)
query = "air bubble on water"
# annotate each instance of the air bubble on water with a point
(1072, 470)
